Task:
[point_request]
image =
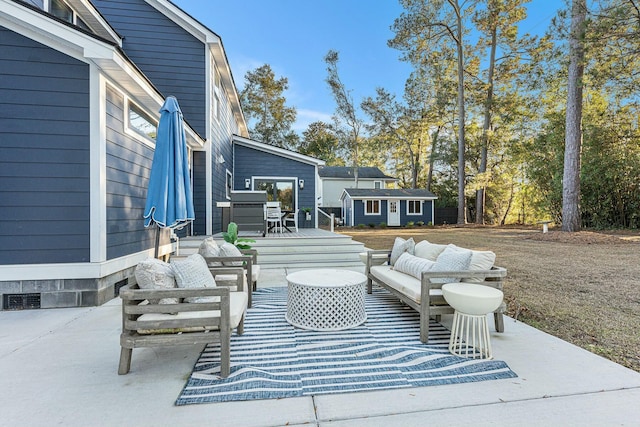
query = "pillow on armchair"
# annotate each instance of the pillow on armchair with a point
(155, 274)
(209, 248)
(227, 249)
(193, 272)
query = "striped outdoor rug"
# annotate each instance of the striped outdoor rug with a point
(275, 360)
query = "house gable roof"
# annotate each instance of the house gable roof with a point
(346, 172)
(388, 193)
(267, 148)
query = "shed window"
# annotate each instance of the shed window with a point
(141, 122)
(414, 207)
(372, 207)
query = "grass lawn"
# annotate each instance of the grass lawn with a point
(581, 287)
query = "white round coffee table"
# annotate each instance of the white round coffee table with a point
(326, 299)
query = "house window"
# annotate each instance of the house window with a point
(414, 207)
(141, 122)
(229, 184)
(372, 207)
(377, 184)
(62, 10)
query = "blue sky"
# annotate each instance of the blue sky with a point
(293, 36)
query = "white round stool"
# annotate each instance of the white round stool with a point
(470, 331)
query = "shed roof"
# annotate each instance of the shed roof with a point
(389, 193)
(346, 172)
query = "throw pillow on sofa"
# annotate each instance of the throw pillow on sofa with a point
(413, 265)
(480, 260)
(155, 274)
(425, 249)
(192, 272)
(209, 248)
(451, 259)
(401, 246)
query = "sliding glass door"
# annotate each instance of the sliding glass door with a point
(281, 190)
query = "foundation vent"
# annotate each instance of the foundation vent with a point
(20, 301)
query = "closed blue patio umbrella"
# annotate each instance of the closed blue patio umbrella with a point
(169, 201)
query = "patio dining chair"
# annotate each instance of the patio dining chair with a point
(274, 218)
(292, 218)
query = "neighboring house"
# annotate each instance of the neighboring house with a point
(334, 179)
(81, 84)
(393, 207)
(287, 176)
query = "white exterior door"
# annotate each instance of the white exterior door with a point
(393, 212)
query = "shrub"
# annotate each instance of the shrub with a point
(383, 225)
(420, 223)
(372, 225)
(410, 224)
(360, 226)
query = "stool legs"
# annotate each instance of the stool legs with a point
(470, 336)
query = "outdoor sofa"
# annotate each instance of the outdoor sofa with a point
(415, 274)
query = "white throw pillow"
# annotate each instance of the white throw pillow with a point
(209, 248)
(227, 249)
(155, 274)
(451, 259)
(192, 272)
(480, 260)
(413, 265)
(427, 250)
(401, 246)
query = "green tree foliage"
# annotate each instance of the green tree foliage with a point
(347, 125)
(264, 104)
(320, 141)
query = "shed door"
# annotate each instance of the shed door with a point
(393, 212)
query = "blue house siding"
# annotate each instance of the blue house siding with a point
(425, 217)
(249, 163)
(199, 192)
(44, 154)
(361, 218)
(171, 57)
(127, 176)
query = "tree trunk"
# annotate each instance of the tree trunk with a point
(573, 131)
(488, 106)
(461, 117)
(432, 157)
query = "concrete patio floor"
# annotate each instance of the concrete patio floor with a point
(59, 367)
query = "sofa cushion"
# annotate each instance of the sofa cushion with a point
(155, 274)
(452, 258)
(412, 265)
(427, 250)
(480, 260)
(227, 249)
(192, 272)
(237, 307)
(408, 285)
(401, 246)
(209, 248)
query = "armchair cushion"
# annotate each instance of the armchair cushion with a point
(192, 272)
(427, 250)
(480, 260)
(155, 274)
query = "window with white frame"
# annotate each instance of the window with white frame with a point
(229, 184)
(141, 122)
(414, 207)
(62, 10)
(372, 207)
(216, 88)
(377, 184)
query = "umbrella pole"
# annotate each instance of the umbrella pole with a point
(157, 240)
